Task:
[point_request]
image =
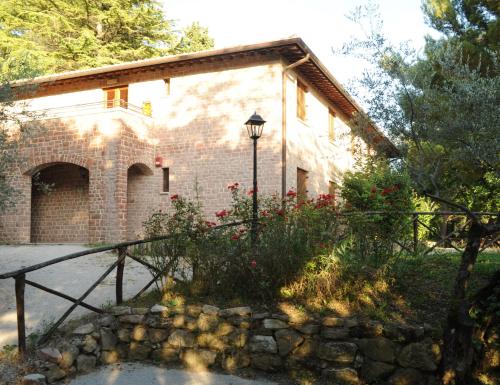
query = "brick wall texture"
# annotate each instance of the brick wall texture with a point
(197, 128)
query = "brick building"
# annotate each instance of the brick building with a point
(116, 141)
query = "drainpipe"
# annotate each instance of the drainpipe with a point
(283, 120)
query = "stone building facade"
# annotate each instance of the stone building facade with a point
(115, 142)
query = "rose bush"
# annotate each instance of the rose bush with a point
(223, 260)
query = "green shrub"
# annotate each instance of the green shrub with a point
(378, 187)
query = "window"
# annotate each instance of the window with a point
(167, 86)
(301, 100)
(116, 97)
(301, 184)
(332, 190)
(331, 125)
(166, 179)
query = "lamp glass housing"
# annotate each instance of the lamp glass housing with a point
(255, 125)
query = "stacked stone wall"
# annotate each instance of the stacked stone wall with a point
(341, 350)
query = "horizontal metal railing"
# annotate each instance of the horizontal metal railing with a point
(19, 277)
(92, 107)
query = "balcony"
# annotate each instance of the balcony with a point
(86, 109)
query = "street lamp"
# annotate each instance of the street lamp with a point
(254, 124)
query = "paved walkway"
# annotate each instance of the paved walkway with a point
(135, 374)
(71, 277)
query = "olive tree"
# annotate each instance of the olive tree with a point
(441, 110)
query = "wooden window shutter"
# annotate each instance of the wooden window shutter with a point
(123, 98)
(115, 97)
(110, 97)
(331, 125)
(332, 190)
(302, 184)
(167, 86)
(301, 100)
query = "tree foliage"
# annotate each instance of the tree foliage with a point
(447, 131)
(471, 24)
(14, 122)
(442, 110)
(60, 35)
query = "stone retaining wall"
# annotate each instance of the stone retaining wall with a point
(342, 350)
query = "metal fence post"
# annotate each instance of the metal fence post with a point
(119, 275)
(21, 324)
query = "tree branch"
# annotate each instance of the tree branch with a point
(473, 216)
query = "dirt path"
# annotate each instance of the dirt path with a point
(72, 278)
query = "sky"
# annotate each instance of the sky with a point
(322, 24)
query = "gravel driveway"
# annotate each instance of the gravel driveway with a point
(72, 277)
(134, 374)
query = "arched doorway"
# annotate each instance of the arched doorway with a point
(139, 189)
(60, 204)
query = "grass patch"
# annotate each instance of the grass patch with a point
(426, 282)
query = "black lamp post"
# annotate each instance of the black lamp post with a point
(254, 124)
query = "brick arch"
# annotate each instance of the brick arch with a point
(140, 187)
(63, 214)
(145, 169)
(40, 162)
(143, 163)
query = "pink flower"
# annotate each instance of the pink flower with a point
(234, 186)
(222, 213)
(210, 224)
(253, 263)
(250, 192)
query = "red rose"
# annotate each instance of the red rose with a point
(222, 214)
(174, 197)
(235, 237)
(291, 194)
(253, 263)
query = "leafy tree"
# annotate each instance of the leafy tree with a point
(194, 38)
(471, 24)
(14, 123)
(61, 35)
(440, 110)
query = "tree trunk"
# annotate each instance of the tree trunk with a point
(456, 365)
(486, 305)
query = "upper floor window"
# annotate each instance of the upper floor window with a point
(301, 100)
(116, 97)
(331, 125)
(167, 86)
